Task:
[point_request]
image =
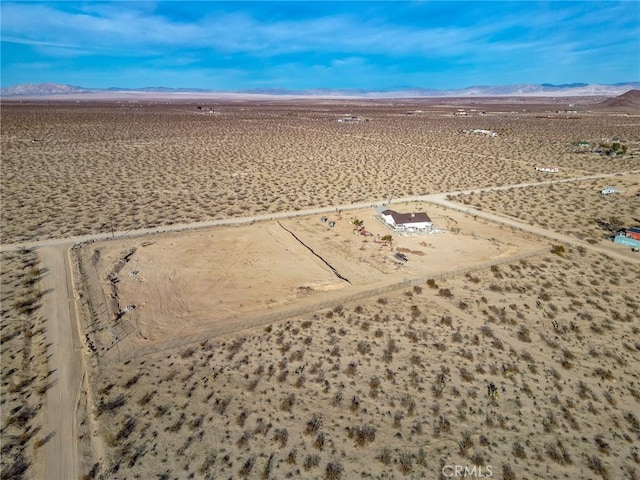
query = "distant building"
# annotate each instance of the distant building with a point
(629, 237)
(353, 119)
(407, 222)
(546, 169)
(609, 190)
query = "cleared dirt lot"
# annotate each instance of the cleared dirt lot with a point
(175, 285)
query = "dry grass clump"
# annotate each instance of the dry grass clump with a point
(25, 373)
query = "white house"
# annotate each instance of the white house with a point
(408, 222)
(546, 168)
(608, 190)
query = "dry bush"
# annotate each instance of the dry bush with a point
(362, 434)
(333, 471)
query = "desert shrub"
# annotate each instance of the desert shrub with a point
(111, 405)
(244, 439)
(319, 441)
(558, 453)
(311, 461)
(288, 402)
(385, 456)
(558, 250)
(221, 404)
(333, 471)
(478, 459)
(602, 445)
(132, 381)
(242, 417)
(362, 434)
(364, 347)
(466, 375)
(313, 425)
(281, 436)
(518, 450)
(486, 331)
(441, 425)
(188, 352)
(445, 292)
(507, 472)
(595, 464)
(178, 424)
(409, 403)
(245, 471)
(634, 423)
(523, 334)
(405, 462)
(17, 468)
(465, 444)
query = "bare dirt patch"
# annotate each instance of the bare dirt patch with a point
(175, 285)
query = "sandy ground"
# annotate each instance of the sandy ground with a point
(396, 386)
(306, 377)
(61, 457)
(94, 167)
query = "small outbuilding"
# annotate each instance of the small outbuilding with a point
(629, 237)
(546, 169)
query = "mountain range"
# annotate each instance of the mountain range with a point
(34, 90)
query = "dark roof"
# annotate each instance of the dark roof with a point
(407, 218)
(634, 229)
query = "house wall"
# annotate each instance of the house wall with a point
(417, 225)
(389, 219)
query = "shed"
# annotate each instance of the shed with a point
(629, 237)
(546, 168)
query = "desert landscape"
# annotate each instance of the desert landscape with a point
(233, 306)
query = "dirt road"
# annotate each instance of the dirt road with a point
(60, 453)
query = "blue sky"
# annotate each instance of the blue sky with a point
(304, 45)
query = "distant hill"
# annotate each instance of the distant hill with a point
(630, 99)
(41, 89)
(35, 90)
